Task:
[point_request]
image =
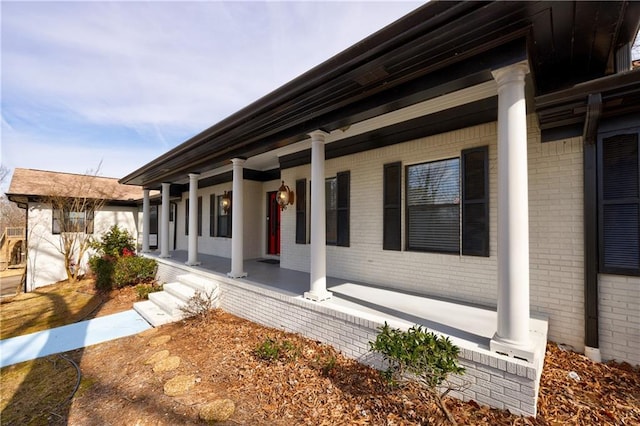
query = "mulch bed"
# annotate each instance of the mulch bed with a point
(315, 385)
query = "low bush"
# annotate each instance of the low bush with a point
(271, 350)
(130, 270)
(417, 354)
(102, 267)
(143, 290)
(115, 242)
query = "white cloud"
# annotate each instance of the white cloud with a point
(161, 71)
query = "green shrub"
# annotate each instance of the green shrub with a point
(133, 270)
(115, 242)
(143, 290)
(102, 267)
(272, 350)
(420, 355)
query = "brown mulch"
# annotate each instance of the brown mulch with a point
(314, 385)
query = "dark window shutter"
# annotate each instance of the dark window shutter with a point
(301, 211)
(90, 221)
(619, 200)
(391, 209)
(343, 183)
(212, 215)
(475, 202)
(199, 216)
(186, 216)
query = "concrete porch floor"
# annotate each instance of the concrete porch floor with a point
(469, 326)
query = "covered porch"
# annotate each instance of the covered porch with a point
(274, 296)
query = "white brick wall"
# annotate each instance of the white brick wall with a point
(619, 308)
(556, 228)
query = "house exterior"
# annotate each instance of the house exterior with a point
(484, 153)
(33, 189)
(477, 151)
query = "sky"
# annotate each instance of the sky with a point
(109, 86)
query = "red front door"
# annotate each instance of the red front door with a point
(273, 224)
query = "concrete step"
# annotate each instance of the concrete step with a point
(153, 314)
(168, 303)
(198, 283)
(180, 291)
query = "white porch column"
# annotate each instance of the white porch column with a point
(145, 221)
(192, 259)
(512, 336)
(318, 286)
(164, 224)
(237, 222)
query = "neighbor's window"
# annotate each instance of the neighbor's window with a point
(72, 221)
(619, 203)
(433, 206)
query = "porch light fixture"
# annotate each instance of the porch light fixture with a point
(285, 196)
(226, 202)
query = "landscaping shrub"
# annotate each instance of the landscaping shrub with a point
(129, 270)
(271, 350)
(143, 290)
(102, 267)
(115, 242)
(419, 355)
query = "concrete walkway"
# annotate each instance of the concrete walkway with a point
(70, 337)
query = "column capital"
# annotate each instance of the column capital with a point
(318, 135)
(194, 175)
(166, 184)
(145, 191)
(511, 73)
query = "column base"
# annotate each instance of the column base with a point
(318, 297)
(593, 354)
(499, 345)
(236, 274)
(192, 263)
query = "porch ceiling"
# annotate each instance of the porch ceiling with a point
(437, 49)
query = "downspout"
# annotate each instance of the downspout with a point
(590, 133)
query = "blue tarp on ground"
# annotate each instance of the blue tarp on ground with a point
(70, 337)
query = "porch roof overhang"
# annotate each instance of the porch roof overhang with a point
(440, 48)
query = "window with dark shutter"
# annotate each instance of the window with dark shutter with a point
(331, 210)
(391, 207)
(475, 202)
(224, 218)
(342, 208)
(212, 215)
(301, 211)
(200, 216)
(433, 206)
(619, 203)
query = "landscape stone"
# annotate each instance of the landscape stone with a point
(159, 341)
(179, 385)
(157, 357)
(166, 364)
(217, 411)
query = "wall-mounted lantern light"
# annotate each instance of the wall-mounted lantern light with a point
(226, 202)
(284, 196)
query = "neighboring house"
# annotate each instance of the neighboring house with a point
(33, 191)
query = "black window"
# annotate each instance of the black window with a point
(186, 216)
(337, 209)
(212, 215)
(619, 203)
(475, 202)
(199, 216)
(391, 208)
(224, 218)
(433, 206)
(301, 211)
